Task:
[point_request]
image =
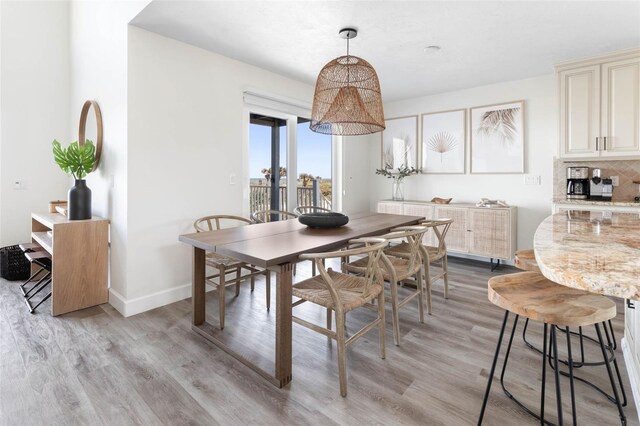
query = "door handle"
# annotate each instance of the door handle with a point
(630, 304)
(605, 144)
(597, 140)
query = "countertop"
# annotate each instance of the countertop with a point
(598, 203)
(596, 252)
(452, 204)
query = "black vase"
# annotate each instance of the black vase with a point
(79, 201)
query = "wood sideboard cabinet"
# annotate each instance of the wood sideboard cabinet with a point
(478, 231)
(80, 254)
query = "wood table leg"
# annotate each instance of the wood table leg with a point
(197, 287)
(284, 281)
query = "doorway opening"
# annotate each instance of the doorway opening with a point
(268, 156)
(267, 163)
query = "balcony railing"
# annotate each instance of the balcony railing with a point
(260, 197)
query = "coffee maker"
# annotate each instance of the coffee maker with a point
(600, 188)
(577, 183)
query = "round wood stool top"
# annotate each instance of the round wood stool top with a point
(533, 296)
(526, 260)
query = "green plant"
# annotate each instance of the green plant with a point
(402, 172)
(75, 160)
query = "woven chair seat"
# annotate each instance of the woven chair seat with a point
(215, 260)
(435, 254)
(349, 289)
(400, 265)
(402, 250)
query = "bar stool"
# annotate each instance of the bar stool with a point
(28, 248)
(25, 247)
(42, 259)
(526, 260)
(531, 295)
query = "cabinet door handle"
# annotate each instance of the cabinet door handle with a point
(605, 144)
(630, 304)
(597, 140)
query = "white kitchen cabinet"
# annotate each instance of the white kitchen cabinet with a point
(620, 107)
(636, 340)
(631, 348)
(635, 335)
(600, 106)
(630, 323)
(579, 111)
(479, 231)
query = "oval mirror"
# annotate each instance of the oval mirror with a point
(91, 128)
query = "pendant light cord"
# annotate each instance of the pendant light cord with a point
(348, 67)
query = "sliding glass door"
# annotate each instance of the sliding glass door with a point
(267, 163)
(288, 164)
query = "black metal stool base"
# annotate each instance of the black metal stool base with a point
(610, 347)
(31, 278)
(45, 266)
(27, 299)
(549, 354)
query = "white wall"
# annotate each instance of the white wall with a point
(185, 119)
(34, 83)
(98, 70)
(533, 202)
(356, 184)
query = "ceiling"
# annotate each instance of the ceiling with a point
(481, 42)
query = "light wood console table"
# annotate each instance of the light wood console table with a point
(79, 251)
(478, 231)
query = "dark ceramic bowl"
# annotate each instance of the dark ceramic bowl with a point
(323, 220)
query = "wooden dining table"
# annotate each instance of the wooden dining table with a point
(275, 246)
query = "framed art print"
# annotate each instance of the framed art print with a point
(443, 141)
(497, 138)
(399, 142)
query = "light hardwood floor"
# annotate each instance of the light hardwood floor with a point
(96, 367)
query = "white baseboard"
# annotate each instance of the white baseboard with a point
(633, 371)
(151, 301)
(117, 301)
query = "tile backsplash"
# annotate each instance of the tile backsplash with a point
(626, 170)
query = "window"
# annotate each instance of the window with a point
(314, 167)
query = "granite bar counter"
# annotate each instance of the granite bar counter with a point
(598, 203)
(597, 251)
(594, 251)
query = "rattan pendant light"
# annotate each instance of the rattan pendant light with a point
(347, 100)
